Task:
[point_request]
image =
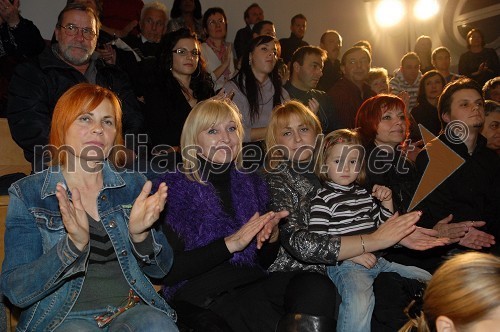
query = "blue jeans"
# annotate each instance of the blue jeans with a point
(139, 318)
(355, 285)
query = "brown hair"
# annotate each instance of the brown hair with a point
(341, 136)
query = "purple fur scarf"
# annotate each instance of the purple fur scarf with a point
(195, 212)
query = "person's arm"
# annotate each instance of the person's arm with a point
(294, 236)
(190, 263)
(25, 257)
(29, 111)
(29, 41)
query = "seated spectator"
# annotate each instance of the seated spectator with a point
(224, 234)
(407, 78)
(120, 17)
(343, 207)
(462, 295)
(171, 87)
(263, 28)
(85, 230)
(19, 39)
(441, 60)
(217, 53)
(491, 127)
(425, 113)
(257, 90)
(291, 143)
(153, 26)
(491, 89)
(351, 90)
(37, 85)
(306, 69)
(478, 63)
(384, 125)
(331, 42)
(252, 15)
(423, 48)
(187, 14)
(378, 80)
(471, 192)
(298, 26)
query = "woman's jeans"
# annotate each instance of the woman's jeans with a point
(355, 285)
(138, 318)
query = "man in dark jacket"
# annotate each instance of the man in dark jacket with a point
(37, 85)
(305, 71)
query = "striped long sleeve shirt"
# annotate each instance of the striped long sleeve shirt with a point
(338, 209)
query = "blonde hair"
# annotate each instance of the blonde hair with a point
(341, 136)
(203, 116)
(465, 289)
(280, 118)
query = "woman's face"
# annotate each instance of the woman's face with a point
(296, 139)
(220, 143)
(184, 62)
(380, 85)
(216, 26)
(433, 87)
(91, 135)
(392, 128)
(263, 58)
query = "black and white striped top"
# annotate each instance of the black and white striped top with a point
(338, 209)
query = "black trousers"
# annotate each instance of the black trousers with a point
(258, 307)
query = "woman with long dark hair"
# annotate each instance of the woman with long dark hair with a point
(172, 87)
(257, 88)
(425, 113)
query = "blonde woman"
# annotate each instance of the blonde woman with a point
(463, 295)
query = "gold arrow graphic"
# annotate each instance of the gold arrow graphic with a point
(443, 162)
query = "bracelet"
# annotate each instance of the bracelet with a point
(362, 244)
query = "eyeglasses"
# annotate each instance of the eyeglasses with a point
(73, 30)
(183, 52)
(216, 22)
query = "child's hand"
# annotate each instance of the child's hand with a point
(382, 193)
(368, 260)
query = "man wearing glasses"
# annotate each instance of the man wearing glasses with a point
(37, 85)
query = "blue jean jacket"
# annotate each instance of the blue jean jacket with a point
(43, 276)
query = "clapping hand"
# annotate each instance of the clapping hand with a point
(74, 216)
(146, 211)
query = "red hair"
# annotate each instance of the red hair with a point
(81, 99)
(370, 114)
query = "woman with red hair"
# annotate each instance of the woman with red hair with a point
(85, 231)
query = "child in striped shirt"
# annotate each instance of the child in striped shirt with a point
(343, 207)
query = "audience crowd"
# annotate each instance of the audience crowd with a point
(182, 181)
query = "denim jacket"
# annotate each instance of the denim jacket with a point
(43, 276)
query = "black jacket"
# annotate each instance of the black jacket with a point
(37, 85)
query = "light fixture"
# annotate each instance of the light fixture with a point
(425, 9)
(389, 12)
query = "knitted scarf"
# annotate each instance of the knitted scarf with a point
(195, 212)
